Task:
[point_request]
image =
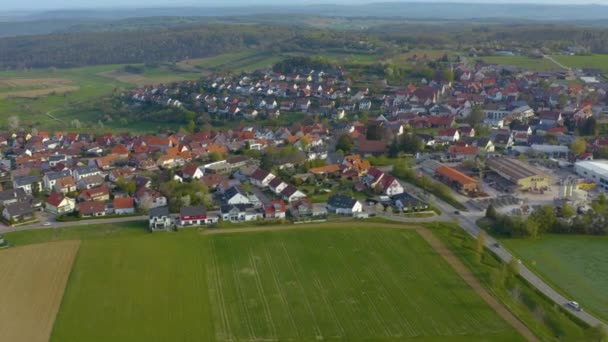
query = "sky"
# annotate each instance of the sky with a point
(32, 5)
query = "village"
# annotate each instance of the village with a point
(492, 135)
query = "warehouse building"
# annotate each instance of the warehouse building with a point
(457, 179)
(522, 174)
(595, 170)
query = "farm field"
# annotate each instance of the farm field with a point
(296, 284)
(524, 62)
(575, 264)
(43, 98)
(248, 60)
(593, 61)
(32, 283)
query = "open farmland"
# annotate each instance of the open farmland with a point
(34, 87)
(524, 62)
(594, 61)
(279, 285)
(575, 264)
(248, 60)
(32, 283)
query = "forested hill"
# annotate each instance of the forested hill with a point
(95, 48)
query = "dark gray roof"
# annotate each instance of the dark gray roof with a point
(196, 210)
(18, 209)
(341, 201)
(159, 212)
(18, 194)
(57, 174)
(25, 180)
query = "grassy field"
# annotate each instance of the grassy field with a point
(524, 62)
(548, 321)
(248, 60)
(593, 61)
(325, 282)
(44, 98)
(575, 264)
(32, 283)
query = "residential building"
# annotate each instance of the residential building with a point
(123, 205)
(160, 219)
(18, 212)
(59, 204)
(92, 209)
(344, 205)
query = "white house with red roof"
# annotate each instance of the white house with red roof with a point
(58, 203)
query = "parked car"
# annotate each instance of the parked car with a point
(457, 212)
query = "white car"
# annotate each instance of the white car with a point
(574, 305)
(46, 223)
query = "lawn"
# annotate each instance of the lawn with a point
(303, 285)
(248, 60)
(575, 264)
(593, 61)
(32, 283)
(524, 62)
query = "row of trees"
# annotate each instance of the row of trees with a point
(546, 220)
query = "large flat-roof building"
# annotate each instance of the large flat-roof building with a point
(595, 170)
(520, 173)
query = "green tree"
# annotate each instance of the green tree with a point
(491, 212)
(568, 211)
(215, 156)
(345, 143)
(476, 116)
(578, 146)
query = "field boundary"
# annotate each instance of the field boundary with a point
(404, 226)
(470, 279)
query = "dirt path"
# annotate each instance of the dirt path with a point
(349, 224)
(470, 279)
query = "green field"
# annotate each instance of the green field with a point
(524, 62)
(301, 285)
(248, 60)
(593, 61)
(575, 264)
(55, 110)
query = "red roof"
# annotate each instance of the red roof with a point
(455, 175)
(55, 199)
(463, 150)
(123, 203)
(92, 207)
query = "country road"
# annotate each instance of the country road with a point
(468, 221)
(556, 62)
(6, 229)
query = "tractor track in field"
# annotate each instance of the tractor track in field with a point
(470, 279)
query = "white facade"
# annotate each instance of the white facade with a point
(596, 170)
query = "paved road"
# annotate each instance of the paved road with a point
(467, 220)
(5, 229)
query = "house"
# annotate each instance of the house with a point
(160, 219)
(192, 171)
(304, 208)
(370, 147)
(59, 204)
(50, 178)
(27, 183)
(275, 210)
(90, 182)
(86, 171)
(65, 185)
(408, 203)
(92, 209)
(448, 134)
(390, 186)
(462, 152)
(195, 216)
(277, 185)
(239, 213)
(550, 118)
(261, 178)
(100, 193)
(147, 199)
(235, 195)
(373, 177)
(123, 205)
(13, 196)
(344, 205)
(18, 212)
(291, 193)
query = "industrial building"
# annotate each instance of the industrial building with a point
(457, 179)
(595, 170)
(522, 174)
